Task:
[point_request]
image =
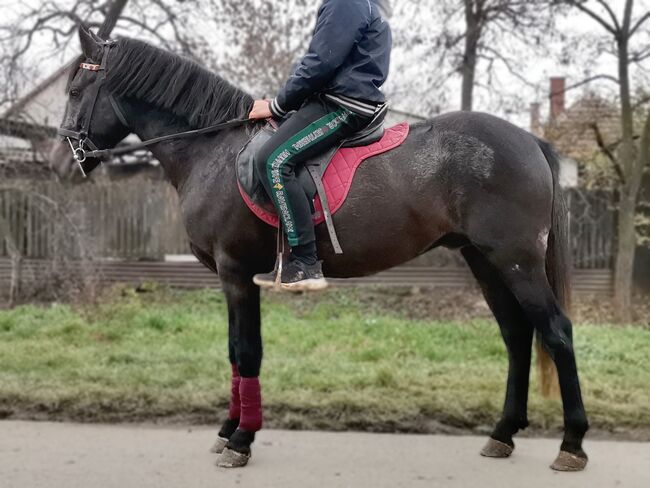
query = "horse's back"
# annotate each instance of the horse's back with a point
(469, 148)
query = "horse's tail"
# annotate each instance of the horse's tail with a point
(558, 268)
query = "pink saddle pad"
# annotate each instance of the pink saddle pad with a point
(338, 176)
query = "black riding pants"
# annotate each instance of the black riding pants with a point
(316, 127)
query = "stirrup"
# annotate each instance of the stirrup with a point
(280, 259)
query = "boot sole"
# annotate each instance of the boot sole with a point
(306, 285)
(263, 283)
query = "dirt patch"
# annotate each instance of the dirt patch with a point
(457, 304)
(290, 418)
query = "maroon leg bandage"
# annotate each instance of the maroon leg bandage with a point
(251, 404)
(235, 402)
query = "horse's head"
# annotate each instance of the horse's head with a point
(92, 119)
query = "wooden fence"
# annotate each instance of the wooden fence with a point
(129, 220)
(195, 275)
(592, 229)
(140, 219)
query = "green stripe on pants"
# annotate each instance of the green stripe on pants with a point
(313, 133)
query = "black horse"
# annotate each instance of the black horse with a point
(468, 181)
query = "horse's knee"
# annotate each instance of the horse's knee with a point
(249, 361)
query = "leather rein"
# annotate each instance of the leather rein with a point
(87, 149)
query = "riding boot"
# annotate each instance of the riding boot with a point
(267, 280)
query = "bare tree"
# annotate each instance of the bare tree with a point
(263, 47)
(628, 36)
(47, 206)
(22, 34)
(481, 38)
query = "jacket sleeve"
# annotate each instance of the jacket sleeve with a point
(340, 25)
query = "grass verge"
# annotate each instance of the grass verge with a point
(330, 363)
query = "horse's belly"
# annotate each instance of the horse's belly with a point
(387, 219)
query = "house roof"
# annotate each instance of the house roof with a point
(15, 110)
(574, 131)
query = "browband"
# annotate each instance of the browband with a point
(90, 67)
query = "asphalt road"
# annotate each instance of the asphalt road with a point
(51, 455)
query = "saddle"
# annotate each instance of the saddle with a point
(325, 179)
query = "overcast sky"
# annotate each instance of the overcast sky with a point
(409, 63)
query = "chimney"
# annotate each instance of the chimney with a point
(535, 119)
(557, 97)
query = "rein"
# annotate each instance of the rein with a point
(118, 151)
(87, 149)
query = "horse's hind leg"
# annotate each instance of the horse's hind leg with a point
(518, 335)
(525, 275)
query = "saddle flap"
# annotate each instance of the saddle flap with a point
(247, 175)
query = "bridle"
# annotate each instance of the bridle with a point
(86, 148)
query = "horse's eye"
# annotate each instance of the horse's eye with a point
(74, 93)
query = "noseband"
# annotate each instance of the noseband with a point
(86, 148)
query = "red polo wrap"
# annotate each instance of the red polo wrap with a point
(235, 402)
(251, 404)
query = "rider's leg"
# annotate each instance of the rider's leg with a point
(316, 127)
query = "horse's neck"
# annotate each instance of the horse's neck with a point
(178, 157)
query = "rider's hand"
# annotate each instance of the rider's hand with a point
(261, 110)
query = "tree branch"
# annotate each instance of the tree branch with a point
(114, 12)
(611, 13)
(607, 152)
(584, 82)
(614, 29)
(639, 23)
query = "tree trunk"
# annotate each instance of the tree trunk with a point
(470, 54)
(624, 267)
(624, 271)
(626, 244)
(111, 18)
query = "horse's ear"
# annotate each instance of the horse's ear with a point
(98, 39)
(90, 44)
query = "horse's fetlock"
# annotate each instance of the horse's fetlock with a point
(228, 428)
(578, 428)
(573, 447)
(241, 441)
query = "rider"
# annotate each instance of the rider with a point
(334, 91)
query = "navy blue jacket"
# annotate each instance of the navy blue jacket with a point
(349, 55)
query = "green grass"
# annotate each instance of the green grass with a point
(329, 363)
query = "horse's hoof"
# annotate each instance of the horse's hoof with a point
(567, 461)
(496, 449)
(232, 459)
(219, 445)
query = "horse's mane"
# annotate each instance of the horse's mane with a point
(171, 82)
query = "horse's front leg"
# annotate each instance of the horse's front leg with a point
(245, 350)
(234, 408)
